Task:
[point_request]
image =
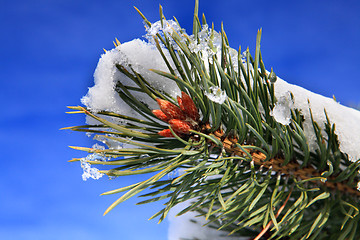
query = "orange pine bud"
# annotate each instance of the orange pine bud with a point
(189, 107)
(180, 103)
(170, 110)
(166, 133)
(160, 115)
(180, 126)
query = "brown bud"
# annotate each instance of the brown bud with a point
(160, 115)
(170, 110)
(190, 108)
(180, 126)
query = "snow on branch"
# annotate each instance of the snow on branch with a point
(232, 115)
(143, 56)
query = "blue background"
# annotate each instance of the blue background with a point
(49, 51)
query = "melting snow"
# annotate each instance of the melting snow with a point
(90, 172)
(282, 110)
(216, 95)
(167, 28)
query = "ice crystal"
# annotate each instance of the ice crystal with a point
(167, 27)
(173, 174)
(91, 172)
(216, 95)
(282, 110)
(110, 143)
(272, 76)
(98, 146)
(208, 43)
(243, 57)
(89, 134)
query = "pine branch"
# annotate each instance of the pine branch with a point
(242, 167)
(290, 169)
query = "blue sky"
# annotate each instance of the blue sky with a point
(49, 50)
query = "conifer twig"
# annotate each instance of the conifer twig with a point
(292, 168)
(277, 214)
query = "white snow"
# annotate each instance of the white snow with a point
(282, 109)
(91, 172)
(216, 95)
(141, 56)
(208, 42)
(346, 119)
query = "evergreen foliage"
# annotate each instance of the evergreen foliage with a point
(246, 173)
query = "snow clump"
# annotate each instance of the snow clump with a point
(135, 55)
(346, 119)
(90, 172)
(216, 95)
(282, 109)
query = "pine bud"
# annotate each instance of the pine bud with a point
(170, 110)
(166, 133)
(189, 107)
(160, 115)
(180, 103)
(180, 126)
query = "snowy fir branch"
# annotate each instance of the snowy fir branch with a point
(254, 156)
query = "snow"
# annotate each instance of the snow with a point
(167, 28)
(216, 95)
(282, 109)
(89, 172)
(110, 143)
(208, 42)
(142, 56)
(346, 119)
